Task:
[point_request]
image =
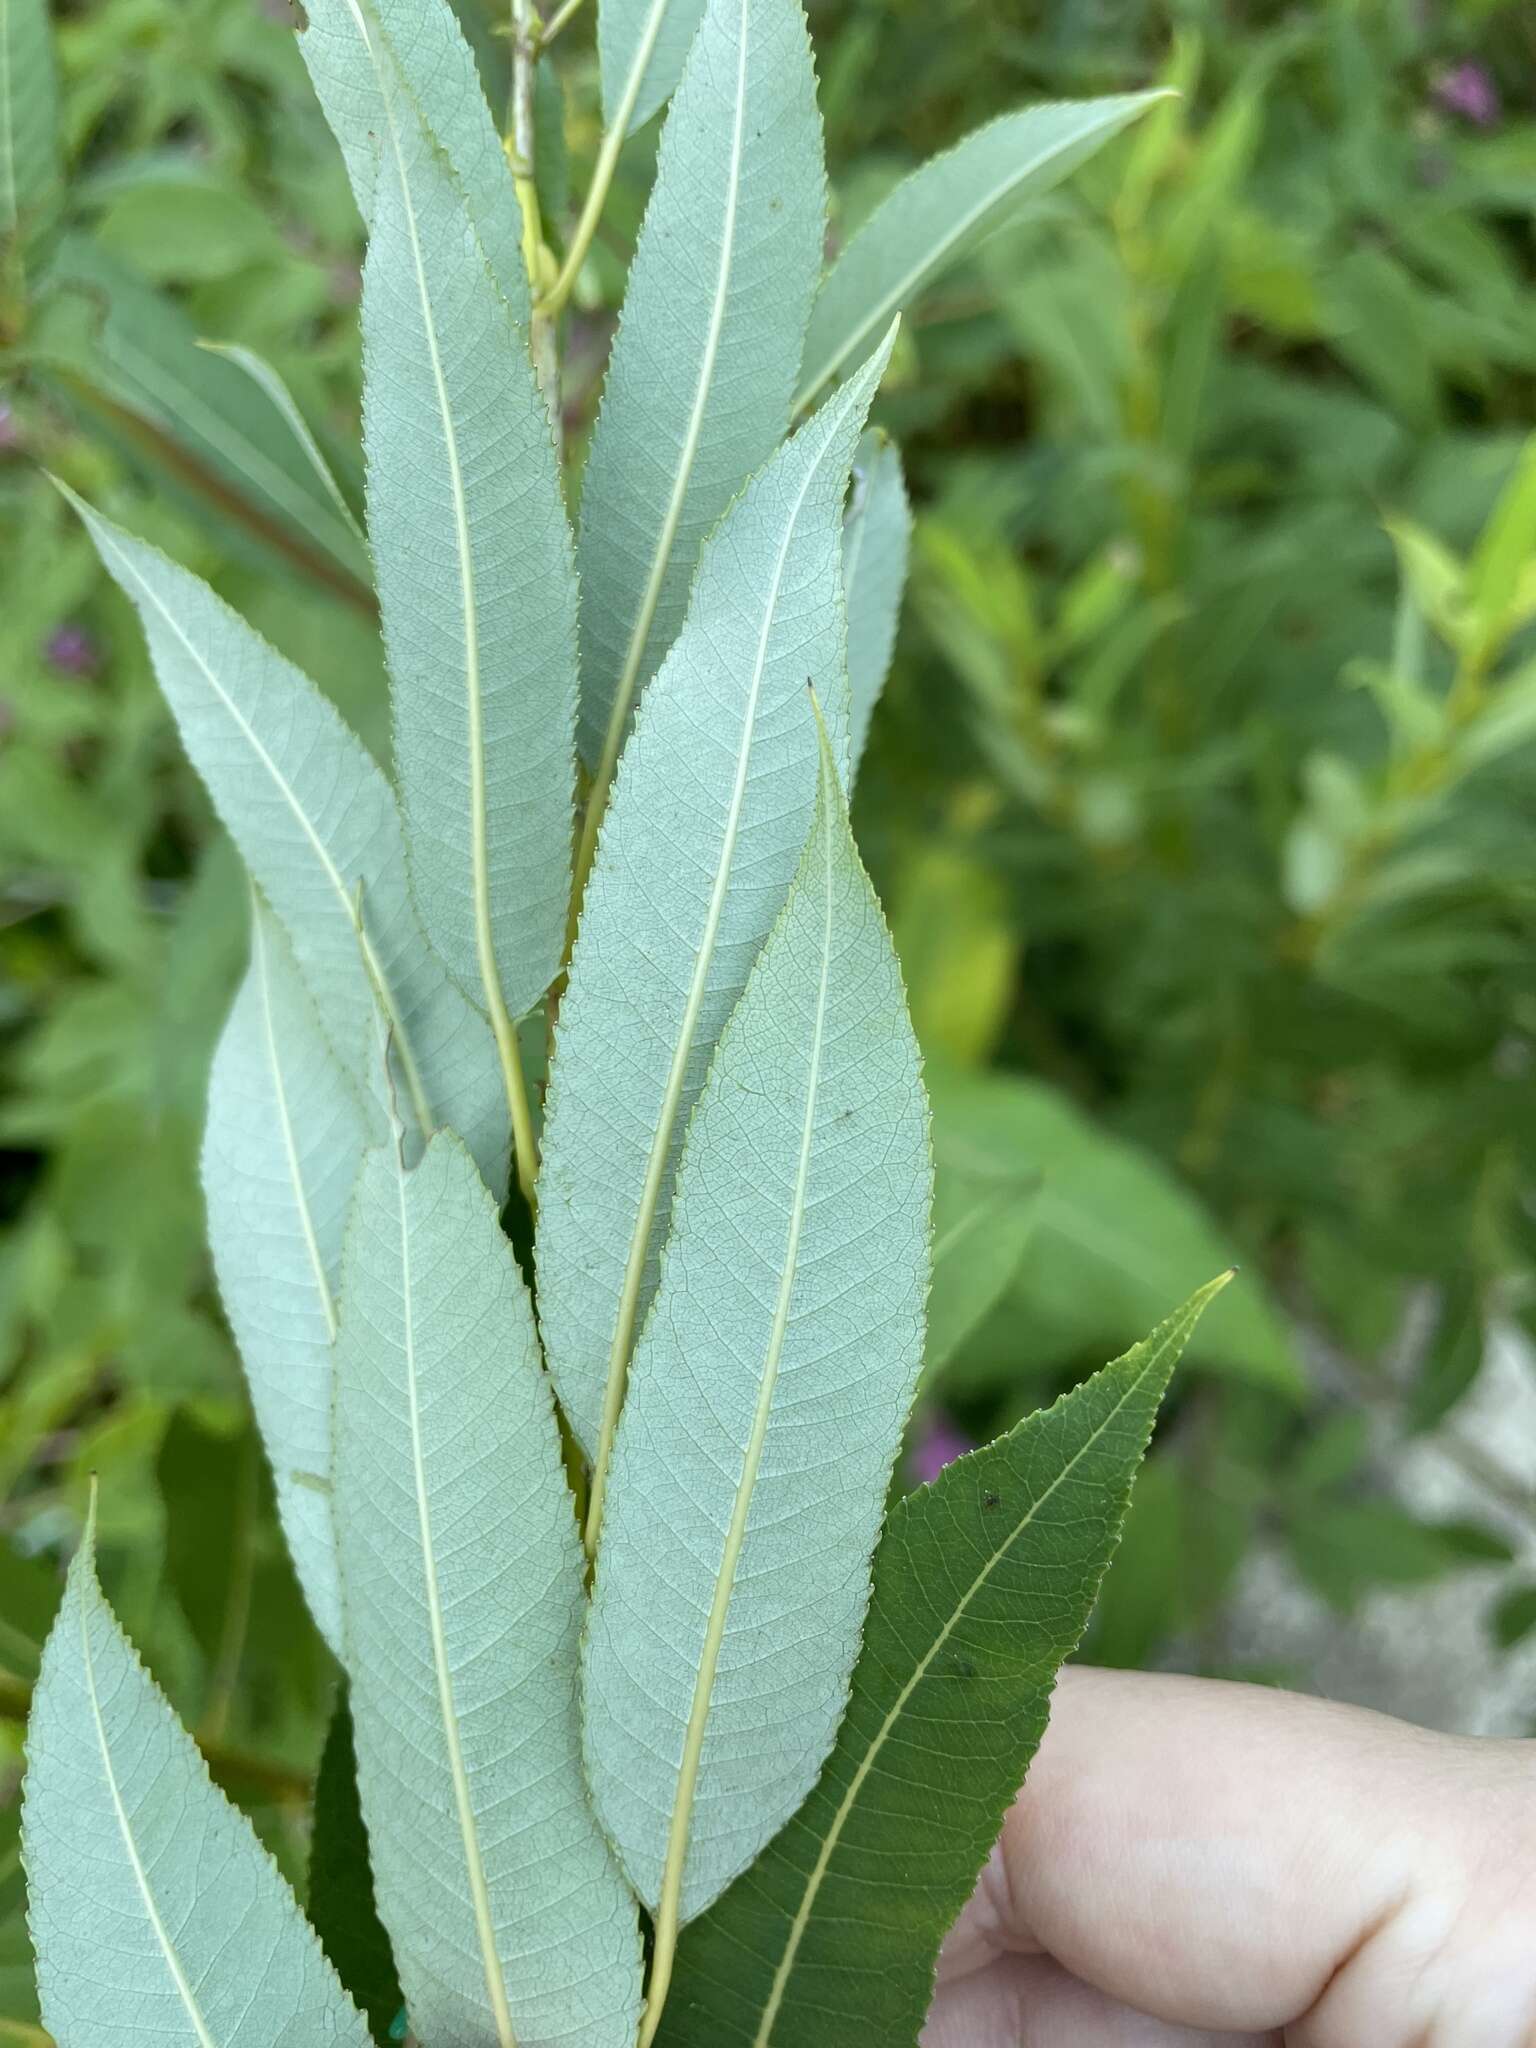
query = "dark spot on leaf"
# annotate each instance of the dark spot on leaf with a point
(990, 1501)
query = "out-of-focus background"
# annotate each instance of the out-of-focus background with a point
(1203, 801)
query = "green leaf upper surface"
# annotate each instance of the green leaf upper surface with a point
(767, 1398)
(941, 211)
(983, 1584)
(285, 1135)
(877, 534)
(642, 46)
(29, 116)
(157, 1916)
(462, 1592)
(472, 554)
(703, 366)
(705, 829)
(316, 823)
(351, 47)
(342, 1909)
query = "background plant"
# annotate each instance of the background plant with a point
(1353, 1144)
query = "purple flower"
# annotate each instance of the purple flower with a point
(937, 1441)
(72, 651)
(1468, 89)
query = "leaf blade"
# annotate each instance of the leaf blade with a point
(767, 1400)
(462, 1586)
(122, 1819)
(642, 46)
(877, 537)
(939, 212)
(720, 289)
(890, 1841)
(347, 44)
(284, 1137)
(476, 581)
(316, 823)
(30, 166)
(667, 935)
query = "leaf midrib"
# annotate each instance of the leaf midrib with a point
(285, 1121)
(469, 1834)
(801, 1919)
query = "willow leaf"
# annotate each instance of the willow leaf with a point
(708, 818)
(940, 212)
(984, 1211)
(157, 1916)
(476, 584)
(983, 1585)
(317, 826)
(704, 364)
(354, 50)
(767, 1400)
(877, 534)
(270, 384)
(642, 46)
(30, 170)
(284, 1138)
(462, 1586)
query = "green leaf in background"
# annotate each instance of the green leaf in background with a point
(940, 213)
(706, 828)
(214, 434)
(983, 1585)
(476, 584)
(317, 826)
(642, 46)
(983, 1213)
(285, 1136)
(341, 1904)
(1112, 1229)
(766, 1403)
(353, 49)
(461, 1578)
(29, 121)
(124, 1830)
(719, 292)
(283, 402)
(877, 535)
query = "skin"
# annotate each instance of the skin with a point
(1199, 1865)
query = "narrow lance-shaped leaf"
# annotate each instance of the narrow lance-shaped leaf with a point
(766, 1402)
(157, 1916)
(708, 818)
(642, 46)
(476, 585)
(942, 211)
(704, 363)
(267, 381)
(462, 1588)
(317, 826)
(285, 1135)
(984, 1209)
(877, 534)
(983, 1585)
(29, 119)
(351, 46)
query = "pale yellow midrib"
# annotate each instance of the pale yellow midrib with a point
(290, 1144)
(141, 1877)
(479, 858)
(893, 298)
(464, 1808)
(670, 1905)
(762, 2039)
(661, 1144)
(248, 733)
(618, 716)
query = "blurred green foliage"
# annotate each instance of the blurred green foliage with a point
(1202, 799)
